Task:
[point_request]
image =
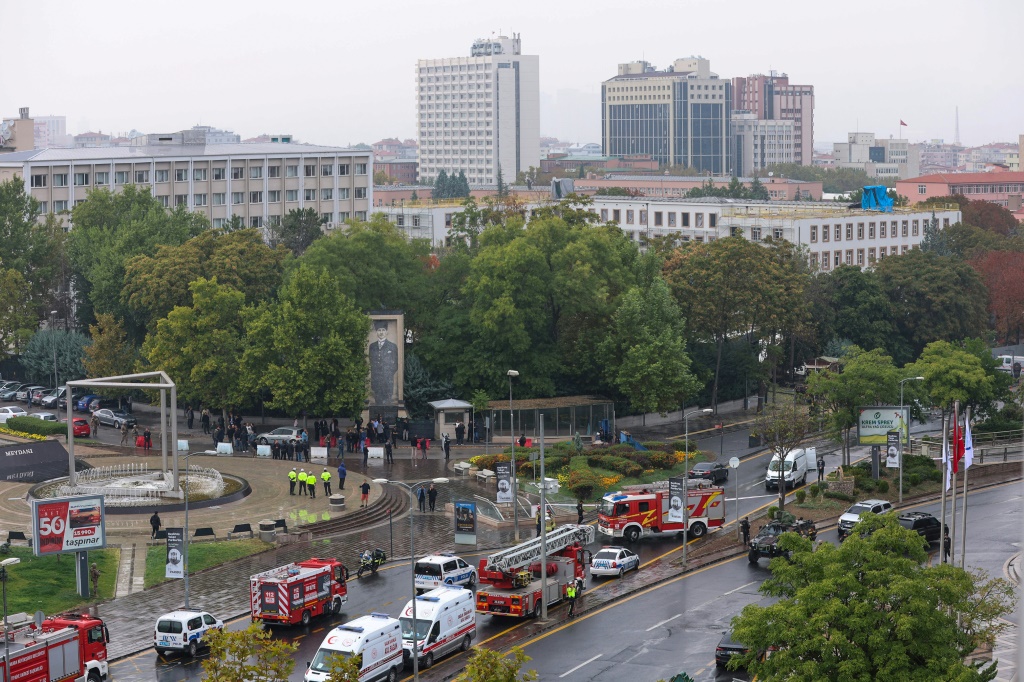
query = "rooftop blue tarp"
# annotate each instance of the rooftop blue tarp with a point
(876, 198)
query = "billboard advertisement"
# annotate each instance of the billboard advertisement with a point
(676, 493)
(175, 553)
(68, 524)
(465, 523)
(503, 474)
(875, 423)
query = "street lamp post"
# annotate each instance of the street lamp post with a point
(412, 571)
(185, 492)
(903, 381)
(515, 478)
(53, 345)
(7, 646)
(686, 479)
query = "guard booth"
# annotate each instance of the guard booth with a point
(447, 413)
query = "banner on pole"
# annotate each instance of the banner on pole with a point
(503, 474)
(175, 553)
(676, 493)
(892, 450)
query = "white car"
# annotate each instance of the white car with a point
(45, 416)
(614, 561)
(183, 630)
(443, 569)
(282, 435)
(8, 412)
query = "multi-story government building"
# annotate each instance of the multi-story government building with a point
(260, 183)
(480, 113)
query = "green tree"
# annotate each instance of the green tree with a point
(855, 308)
(502, 187)
(932, 298)
(110, 354)
(414, 196)
(421, 389)
(299, 229)
(31, 248)
(870, 609)
(54, 345)
(441, 185)
(867, 378)
(488, 665)
(344, 668)
(307, 348)
(199, 346)
(18, 320)
(953, 374)
(758, 190)
(783, 427)
(251, 654)
(233, 224)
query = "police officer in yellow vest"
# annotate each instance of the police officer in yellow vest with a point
(326, 478)
(311, 484)
(292, 477)
(302, 481)
(570, 594)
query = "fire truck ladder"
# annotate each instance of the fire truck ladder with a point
(530, 551)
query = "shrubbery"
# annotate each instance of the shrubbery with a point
(836, 495)
(37, 427)
(882, 486)
(801, 495)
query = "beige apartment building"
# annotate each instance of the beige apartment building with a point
(260, 183)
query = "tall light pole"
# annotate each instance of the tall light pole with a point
(7, 646)
(515, 478)
(903, 381)
(686, 479)
(53, 345)
(185, 491)
(412, 569)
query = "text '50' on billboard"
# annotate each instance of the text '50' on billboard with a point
(68, 524)
(875, 423)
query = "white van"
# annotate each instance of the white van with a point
(792, 471)
(1006, 362)
(376, 639)
(445, 622)
(436, 570)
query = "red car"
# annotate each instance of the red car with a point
(80, 427)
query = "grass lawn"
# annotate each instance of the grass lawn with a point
(201, 555)
(47, 583)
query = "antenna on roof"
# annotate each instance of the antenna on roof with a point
(956, 133)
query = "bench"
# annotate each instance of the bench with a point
(240, 529)
(463, 467)
(282, 524)
(484, 475)
(18, 535)
(205, 532)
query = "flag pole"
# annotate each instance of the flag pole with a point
(945, 479)
(968, 442)
(953, 449)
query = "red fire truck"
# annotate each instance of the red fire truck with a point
(298, 591)
(70, 646)
(640, 510)
(509, 581)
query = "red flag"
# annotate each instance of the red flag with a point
(958, 445)
(902, 123)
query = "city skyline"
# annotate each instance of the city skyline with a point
(228, 65)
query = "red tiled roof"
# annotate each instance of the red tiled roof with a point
(963, 178)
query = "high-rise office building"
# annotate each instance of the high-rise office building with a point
(680, 116)
(480, 113)
(774, 98)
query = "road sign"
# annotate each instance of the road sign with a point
(734, 462)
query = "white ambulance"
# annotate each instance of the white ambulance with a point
(445, 622)
(375, 639)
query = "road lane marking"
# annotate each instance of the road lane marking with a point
(669, 620)
(572, 670)
(753, 582)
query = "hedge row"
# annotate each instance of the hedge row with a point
(37, 426)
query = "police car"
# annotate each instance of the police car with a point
(614, 561)
(443, 569)
(183, 630)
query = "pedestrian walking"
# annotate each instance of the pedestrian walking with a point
(570, 594)
(423, 447)
(364, 489)
(947, 544)
(302, 481)
(147, 440)
(94, 573)
(154, 522)
(389, 452)
(124, 434)
(342, 473)
(421, 497)
(326, 478)
(579, 512)
(446, 445)
(432, 496)
(293, 476)
(366, 453)
(415, 443)
(95, 423)
(821, 469)
(745, 530)
(135, 434)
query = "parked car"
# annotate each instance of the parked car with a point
(25, 391)
(926, 525)
(80, 427)
(727, 648)
(55, 398)
(37, 396)
(848, 520)
(45, 416)
(715, 472)
(282, 434)
(8, 412)
(10, 390)
(99, 403)
(83, 403)
(614, 561)
(114, 418)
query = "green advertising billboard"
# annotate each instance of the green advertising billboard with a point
(874, 423)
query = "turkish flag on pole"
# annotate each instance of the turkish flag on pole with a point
(902, 123)
(958, 446)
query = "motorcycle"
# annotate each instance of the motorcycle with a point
(371, 561)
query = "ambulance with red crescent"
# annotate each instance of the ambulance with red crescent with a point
(374, 641)
(445, 622)
(641, 510)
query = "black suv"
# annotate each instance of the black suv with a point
(926, 525)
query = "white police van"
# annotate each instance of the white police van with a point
(183, 630)
(445, 622)
(374, 640)
(437, 570)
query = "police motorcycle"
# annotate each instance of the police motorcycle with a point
(371, 561)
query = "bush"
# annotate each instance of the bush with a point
(772, 511)
(37, 426)
(814, 489)
(882, 487)
(655, 445)
(582, 481)
(663, 460)
(836, 495)
(914, 479)
(865, 484)
(801, 495)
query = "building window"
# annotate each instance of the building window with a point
(360, 169)
(164, 200)
(360, 192)
(61, 179)
(273, 171)
(342, 169)
(860, 257)
(755, 233)
(326, 217)
(199, 200)
(343, 193)
(629, 216)
(327, 170)
(604, 211)
(256, 221)
(291, 171)
(255, 197)
(326, 194)
(160, 175)
(181, 174)
(671, 219)
(218, 223)
(141, 176)
(220, 174)
(849, 232)
(915, 228)
(881, 230)
(44, 208)
(38, 181)
(102, 178)
(310, 171)
(826, 233)
(881, 253)
(82, 179)
(342, 216)
(871, 230)
(712, 220)
(643, 217)
(219, 198)
(273, 221)
(945, 222)
(181, 200)
(905, 248)
(616, 215)
(199, 174)
(657, 219)
(814, 234)
(255, 172)
(685, 219)
(121, 177)
(777, 233)
(360, 215)
(922, 189)
(698, 221)
(309, 195)
(849, 256)
(814, 261)
(905, 228)
(274, 196)
(60, 206)
(871, 255)
(291, 195)
(237, 173)
(238, 198)
(837, 258)
(860, 230)
(839, 233)
(825, 260)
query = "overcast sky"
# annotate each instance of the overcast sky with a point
(340, 72)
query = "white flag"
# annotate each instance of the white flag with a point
(947, 464)
(968, 446)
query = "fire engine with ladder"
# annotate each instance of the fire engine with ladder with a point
(640, 510)
(297, 592)
(509, 580)
(66, 647)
